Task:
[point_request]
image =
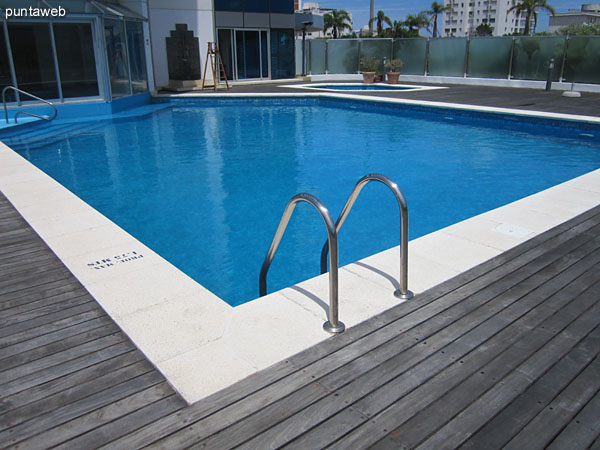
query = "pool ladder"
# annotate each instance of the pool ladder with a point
(334, 325)
(25, 112)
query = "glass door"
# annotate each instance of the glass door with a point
(245, 53)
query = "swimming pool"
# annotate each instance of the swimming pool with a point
(204, 182)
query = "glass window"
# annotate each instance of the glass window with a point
(33, 58)
(282, 53)
(226, 50)
(282, 6)
(137, 56)
(5, 77)
(229, 5)
(264, 51)
(117, 57)
(256, 6)
(76, 61)
(248, 56)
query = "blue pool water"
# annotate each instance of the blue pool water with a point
(363, 87)
(204, 183)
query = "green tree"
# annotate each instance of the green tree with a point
(399, 30)
(529, 8)
(338, 20)
(416, 22)
(380, 19)
(435, 11)
(580, 30)
(484, 30)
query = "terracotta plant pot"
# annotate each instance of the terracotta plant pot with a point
(378, 78)
(392, 77)
(368, 77)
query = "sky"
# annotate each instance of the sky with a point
(398, 10)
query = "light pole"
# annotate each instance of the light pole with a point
(304, 26)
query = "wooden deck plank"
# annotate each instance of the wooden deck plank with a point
(418, 387)
(65, 368)
(459, 429)
(51, 360)
(44, 391)
(36, 323)
(105, 434)
(90, 311)
(66, 344)
(48, 422)
(446, 353)
(73, 393)
(583, 430)
(112, 410)
(45, 339)
(559, 413)
(228, 415)
(51, 307)
(38, 292)
(43, 303)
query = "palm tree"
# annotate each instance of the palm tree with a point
(338, 20)
(380, 19)
(416, 22)
(437, 9)
(530, 7)
(398, 30)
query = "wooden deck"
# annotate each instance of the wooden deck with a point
(505, 355)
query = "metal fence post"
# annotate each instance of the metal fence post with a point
(468, 46)
(358, 50)
(326, 56)
(510, 60)
(427, 57)
(564, 59)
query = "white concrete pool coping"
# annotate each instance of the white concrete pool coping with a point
(385, 87)
(199, 342)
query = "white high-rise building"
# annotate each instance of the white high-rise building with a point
(467, 15)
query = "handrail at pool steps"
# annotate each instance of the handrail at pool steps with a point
(402, 291)
(25, 112)
(333, 325)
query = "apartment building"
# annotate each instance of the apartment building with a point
(467, 15)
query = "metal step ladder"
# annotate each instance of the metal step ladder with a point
(20, 91)
(334, 325)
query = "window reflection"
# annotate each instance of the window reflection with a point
(5, 77)
(33, 58)
(137, 57)
(76, 62)
(116, 53)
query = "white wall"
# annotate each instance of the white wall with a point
(163, 15)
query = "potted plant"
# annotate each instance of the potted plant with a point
(369, 66)
(393, 67)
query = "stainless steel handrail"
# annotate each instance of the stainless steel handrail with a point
(25, 112)
(333, 325)
(403, 291)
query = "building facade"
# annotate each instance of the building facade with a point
(76, 50)
(588, 15)
(313, 8)
(467, 15)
